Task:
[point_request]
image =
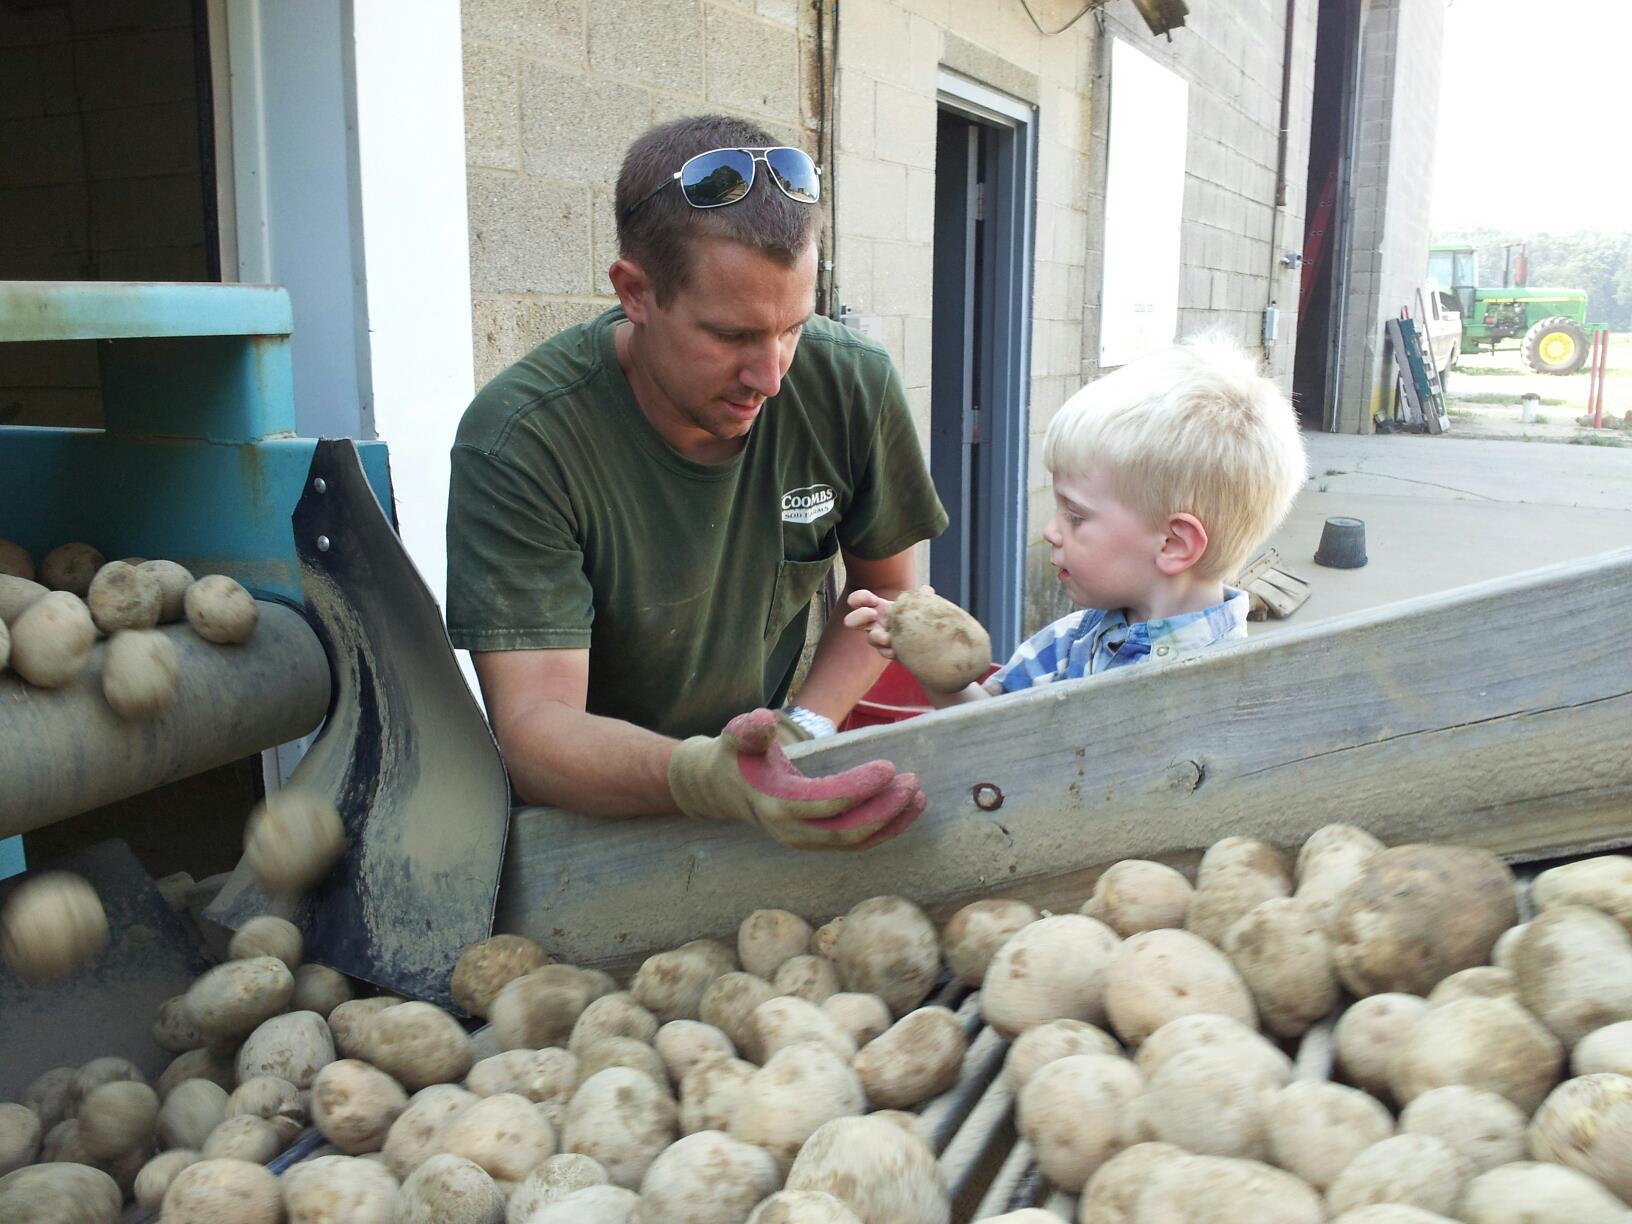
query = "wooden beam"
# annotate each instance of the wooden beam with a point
(1498, 714)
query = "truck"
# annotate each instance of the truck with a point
(1550, 325)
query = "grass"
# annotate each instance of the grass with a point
(1595, 439)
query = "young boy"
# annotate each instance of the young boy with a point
(1167, 474)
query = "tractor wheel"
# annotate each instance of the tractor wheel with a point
(1555, 346)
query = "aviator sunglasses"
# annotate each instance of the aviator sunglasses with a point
(724, 176)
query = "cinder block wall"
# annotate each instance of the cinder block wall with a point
(554, 92)
(99, 173)
(1401, 43)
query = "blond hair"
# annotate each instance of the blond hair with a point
(1196, 429)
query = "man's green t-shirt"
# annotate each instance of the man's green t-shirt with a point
(573, 524)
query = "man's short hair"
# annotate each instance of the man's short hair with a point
(660, 233)
(1196, 429)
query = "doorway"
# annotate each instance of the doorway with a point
(985, 173)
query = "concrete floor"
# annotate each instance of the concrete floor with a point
(1442, 512)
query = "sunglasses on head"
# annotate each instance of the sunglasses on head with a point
(724, 176)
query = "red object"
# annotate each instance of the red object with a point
(895, 697)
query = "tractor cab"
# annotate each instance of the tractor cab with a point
(1456, 269)
(1549, 325)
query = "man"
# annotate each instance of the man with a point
(643, 506)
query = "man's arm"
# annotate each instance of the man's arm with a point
(845, 666)
(559, 754)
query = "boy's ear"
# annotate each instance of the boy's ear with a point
(1183, 544)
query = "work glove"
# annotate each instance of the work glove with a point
(743, 774)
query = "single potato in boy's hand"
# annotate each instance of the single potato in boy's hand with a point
(944, 647)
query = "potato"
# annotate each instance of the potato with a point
(613, 1015)
(70, 567)
(485, 968)
(504, 1134)
(5, 645)
(1417, 914)
(1236, 875)
(601, 983)
(52, 1096)
(710, 1093)
(1053, 969)
(1057, 1039)
(123, 597)
(1207, 1101)
(416, 1134)
(173, 580)
(1112, 1191)
(1207, 1031)
(1368, 1033)
(206, 1063)
(729, 1003)
(190, 1112)
(236, 997)
(1480, 982)
(888, 947)
(622, 1119)
(15, 561)
(825, 942)
(682, 1044)
(276, 1100)
(354, 1105)
(1281, 951)
(1487, 1129)
(1525, 1191)
(213, 1191)
(449, 1189)
(59, 1194)
(1316, 1128)
(786, 1020)
(339, 1190)
(1574, 969)
(267, 935)
(17, 595)
(220, 610)
(548, 1076)
(1071, 1112)
(1605, 1049)
(975, 933)
(52, 925)
(1603, 883)
(560, 1175)
(140, 674)
(320, 989)
(351, 1022)
(1507, 943)
(1158, 976)
(1586, 1123)
(1328, 862)
(1391, 1213)
(944, 647)
(20, 1135)
(109, 1069)
(117, 1117)
(156, 1175)
(1026, 1215)
(1482, 1043)
(768, 937)
(51, 641)
(592, 1205)
(877, 1169)
(707, 1178)
(799, 1088)
(1137, 895)
(623, 1052)
(918, 1058)
(1216, 1190)
(244, 1137)
(813, 978)
(419, 1044)
(671, 984)
(292, 840)
(539, 1008)
(293, 1047)
(860, 1016)
(1416, 1170)
(802, 1207)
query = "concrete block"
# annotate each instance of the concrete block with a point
(133, 214)
(134, 69)
(506, 327)
(540, 29)
(604, 240)
(657, 42)
(903, 277)
(856, 93)
(875, 38)
(528, 235)
(40, 151)
(493, 107)
(100, 17)
(752, 65)
(785, 12)
(185, 263)
(41, 265)
(37, 81)
(920, 205)
(142, 140)
(872, 198)
(918, 336)
(578, 127)
(904, 127)
(71, 363)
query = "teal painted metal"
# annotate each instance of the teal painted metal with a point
(12, 861)
(115, 310)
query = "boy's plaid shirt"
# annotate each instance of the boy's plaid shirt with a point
(1093, 640)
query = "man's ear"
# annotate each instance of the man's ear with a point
(1183, 544)
(634, 289)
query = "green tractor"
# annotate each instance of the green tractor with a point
(1549, 324)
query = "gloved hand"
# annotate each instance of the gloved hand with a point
(743, 774)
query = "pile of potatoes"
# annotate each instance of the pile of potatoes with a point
(773, 1081)
(48, 626)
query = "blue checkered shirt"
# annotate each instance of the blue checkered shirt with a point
(1093, 640)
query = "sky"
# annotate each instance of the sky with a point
(1533, 92)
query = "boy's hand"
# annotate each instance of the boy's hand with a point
(872, 616)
